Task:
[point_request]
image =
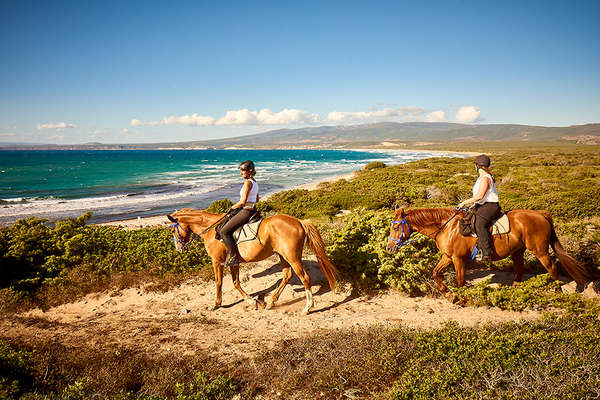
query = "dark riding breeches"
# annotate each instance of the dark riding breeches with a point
(235, 222)
(486, 213)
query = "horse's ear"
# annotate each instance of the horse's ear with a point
(171, 218)
(402, 213)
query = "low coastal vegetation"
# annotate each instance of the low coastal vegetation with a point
(554, 357)
(45, 266)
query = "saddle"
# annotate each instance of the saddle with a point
(498, 227)
(246, 232)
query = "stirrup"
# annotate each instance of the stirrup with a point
(479, 255)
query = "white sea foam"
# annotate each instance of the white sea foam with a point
(122, 202)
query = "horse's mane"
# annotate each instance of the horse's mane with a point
(428, 216)
(195, 216)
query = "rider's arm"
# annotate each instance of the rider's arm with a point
(244, 198)
(483, 187)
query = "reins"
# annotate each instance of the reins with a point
(213, 225)
(457, 210)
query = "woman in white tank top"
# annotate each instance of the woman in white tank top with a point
(242, 210)
(485, 202)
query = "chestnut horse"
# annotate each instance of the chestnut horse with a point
(529, 230)
(279, 234)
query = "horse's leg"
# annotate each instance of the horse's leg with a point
(518, 264)
(540, 250)
(459, 267)
(218, 268)
(286, 270)
(444, 262)
(549, 264)
(235, 278)
(305, 278)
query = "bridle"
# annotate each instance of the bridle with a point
(402, 222)
(177, 238)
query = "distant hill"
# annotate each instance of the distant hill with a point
(384, 133)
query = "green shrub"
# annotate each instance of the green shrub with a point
(538, 292)
(37, 255)
(375, 164)
(203, 388)
(16, 375)
(219, 206)
(358, 250)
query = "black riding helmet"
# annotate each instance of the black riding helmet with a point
(247, 165)
(482, 161)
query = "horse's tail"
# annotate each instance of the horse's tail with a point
(318, 247)
(573, 267)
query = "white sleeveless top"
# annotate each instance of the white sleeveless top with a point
(253, 194)
(491, 195)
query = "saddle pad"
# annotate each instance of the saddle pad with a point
(502, 225)
(247, 232)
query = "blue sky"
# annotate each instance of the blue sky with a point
(124, 72)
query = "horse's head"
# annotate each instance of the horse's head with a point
(181, 231)
(399, 231)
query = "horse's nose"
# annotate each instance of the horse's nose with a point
(391, 248)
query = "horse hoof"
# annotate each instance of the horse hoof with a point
(451, 297)
(515, 284)
(269, 305)
(215, 307)
(305, 311)
(254, 303)
(261, 304)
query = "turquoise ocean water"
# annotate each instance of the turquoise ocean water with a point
(125, 184)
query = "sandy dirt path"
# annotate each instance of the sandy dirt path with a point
(181, 320)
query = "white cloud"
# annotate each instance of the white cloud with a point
(59, 126)
(190, 120)
(436, 116)
(467, 114)
(371, 116)
(237, 117)
(287, 116)
(246, 117)
(125, 131)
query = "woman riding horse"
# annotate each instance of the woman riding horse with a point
(242, 211)
(485, 203)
